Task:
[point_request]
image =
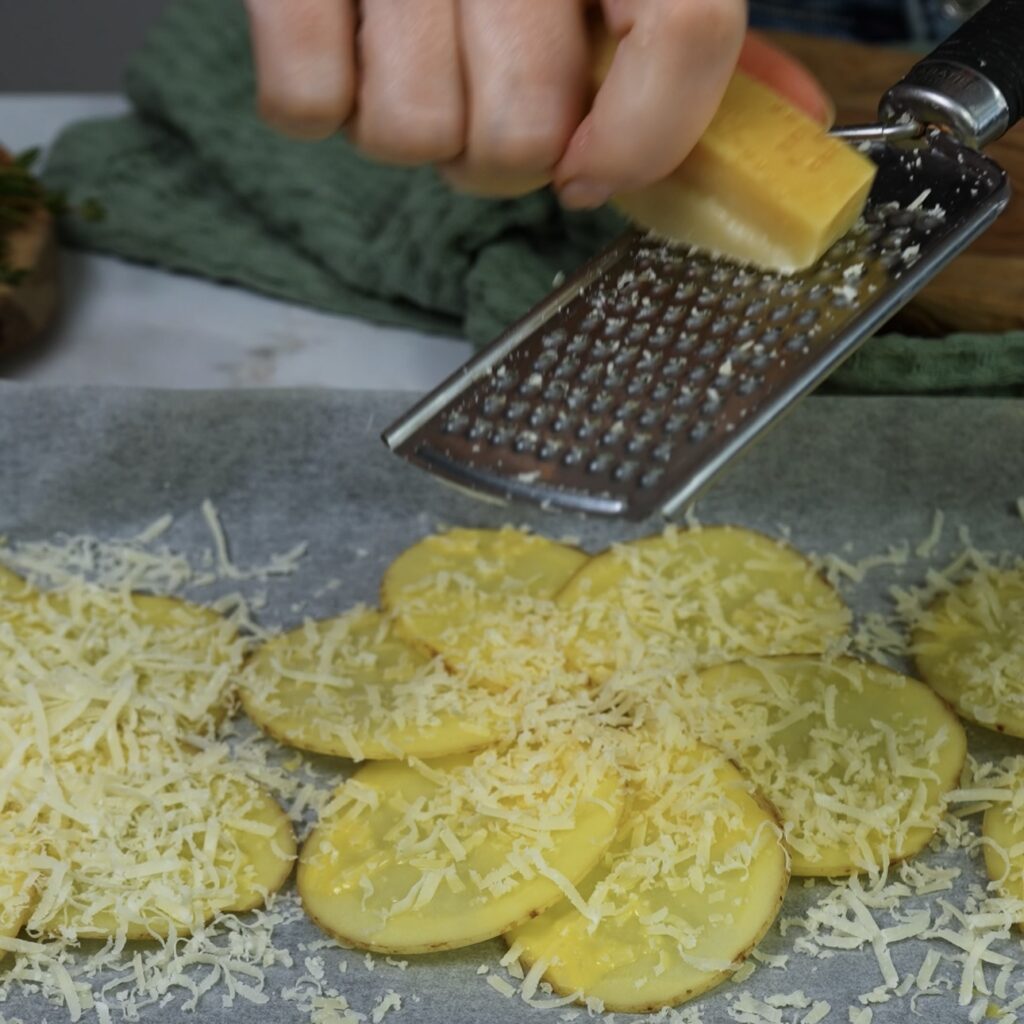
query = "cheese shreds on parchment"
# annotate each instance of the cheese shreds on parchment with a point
(124, 827)
(77, 717)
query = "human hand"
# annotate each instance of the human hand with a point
(497, 93)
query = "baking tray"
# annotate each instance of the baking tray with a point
(284, 467)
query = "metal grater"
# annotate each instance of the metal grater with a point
(635, 383)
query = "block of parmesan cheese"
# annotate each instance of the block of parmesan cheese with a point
(764, 185)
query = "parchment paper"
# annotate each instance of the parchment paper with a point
(284, 467)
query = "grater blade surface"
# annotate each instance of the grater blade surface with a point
(633, 385)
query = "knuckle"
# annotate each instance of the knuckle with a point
(535, 148)
(426, 138)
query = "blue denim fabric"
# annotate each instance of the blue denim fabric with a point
(903, 21)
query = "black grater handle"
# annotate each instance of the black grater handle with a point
(971, 84)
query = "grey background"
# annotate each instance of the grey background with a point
(70, 45)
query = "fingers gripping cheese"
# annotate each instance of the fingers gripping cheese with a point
(483, 600)
(695, 596)
(764, 185)
(415, 859)
(969, 647)
(692, 882)
(351, 687)
(856, 757)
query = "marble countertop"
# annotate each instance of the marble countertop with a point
(129, 325)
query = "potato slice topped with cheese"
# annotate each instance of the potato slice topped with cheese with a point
(351, 687)
(483, 600)
(17, 883)
(113, 657)
(417, 859)
(688, 597)
(969, 647)
(692, 882)
(856, 757)
(168, 844)
(1003, 829)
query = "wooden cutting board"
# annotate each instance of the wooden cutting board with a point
(982, 290)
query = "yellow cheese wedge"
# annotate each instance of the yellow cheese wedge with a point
(482, 599)
(764, 184)
(857, 758)
(17, 889)
(165, 846)
(693, 881)
(687, 597)
(969, 647)
(350, 687)
(409, 860)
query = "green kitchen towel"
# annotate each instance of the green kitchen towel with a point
(192, 180)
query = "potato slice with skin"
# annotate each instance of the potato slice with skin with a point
(482, 599)
(128, 655)
(690, 597)
(1003, 830)
(969, 647)
(167, 847)
(857, 758)
(350, 687)
(694, 880)
(409, 860)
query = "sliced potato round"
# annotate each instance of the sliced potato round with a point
(102, 658)
(857, 758)
(969, 647)
(351, 687)
(17, 884)
(696, 596)
(483, 600)
(409, 860)
(693, 881)
(1003, 829)
(169, 846)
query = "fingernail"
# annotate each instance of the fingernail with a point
(583, 194)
